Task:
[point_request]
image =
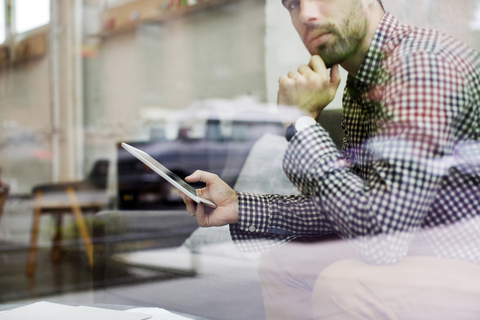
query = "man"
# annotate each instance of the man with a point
(410, 159)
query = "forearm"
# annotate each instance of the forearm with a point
(267, 221)
(282, 215)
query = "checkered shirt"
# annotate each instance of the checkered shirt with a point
(410, 165)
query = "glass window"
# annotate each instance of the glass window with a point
(31, 14)
(194, 83)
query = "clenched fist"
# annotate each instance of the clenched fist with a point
(311, 88)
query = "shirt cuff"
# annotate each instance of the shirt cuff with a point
(253, 212)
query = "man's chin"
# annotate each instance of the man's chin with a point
(331, 62)
(329, 59)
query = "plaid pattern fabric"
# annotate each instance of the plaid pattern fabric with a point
(410, 159)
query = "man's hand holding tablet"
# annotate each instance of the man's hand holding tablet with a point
(168, 175)
(217, 191)
(214, 205)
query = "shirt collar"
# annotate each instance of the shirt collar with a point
(368, 72)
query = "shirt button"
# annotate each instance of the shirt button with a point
(251, 228)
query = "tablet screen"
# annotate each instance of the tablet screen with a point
(167, 174)
(179, 180)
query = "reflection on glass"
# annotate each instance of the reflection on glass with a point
(215, 136)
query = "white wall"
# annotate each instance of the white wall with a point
(25, 125)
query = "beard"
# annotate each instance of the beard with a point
(345, 39)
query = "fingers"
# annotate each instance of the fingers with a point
(202, 176)
(311, 87)
(335, 77)
(296, 78)
(302, 70)
(305, 70)
(317, 64)
(283, 78)
(191, 205)
(195, 210)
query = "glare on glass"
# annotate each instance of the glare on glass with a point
(31, 14)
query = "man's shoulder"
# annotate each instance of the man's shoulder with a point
(410, 42)
(414, 39)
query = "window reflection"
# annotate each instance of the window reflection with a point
(214, 136)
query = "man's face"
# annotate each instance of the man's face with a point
(333, 29)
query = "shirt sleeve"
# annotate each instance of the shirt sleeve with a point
(268, 221)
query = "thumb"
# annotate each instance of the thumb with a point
(200, 175)
(317, 64)
(335, 77)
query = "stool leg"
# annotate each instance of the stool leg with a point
(56, 252)
(82, 228)
(3, 197)
(34, 234)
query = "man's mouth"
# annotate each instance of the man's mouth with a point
(316, 39)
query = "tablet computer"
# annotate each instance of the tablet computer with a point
(168, 175)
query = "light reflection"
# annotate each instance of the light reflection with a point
(31, 14)
(2, 22)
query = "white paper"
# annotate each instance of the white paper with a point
(52, 311)
(159, 314)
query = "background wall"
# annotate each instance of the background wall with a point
(25, 124)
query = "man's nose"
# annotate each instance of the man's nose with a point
(309, 11)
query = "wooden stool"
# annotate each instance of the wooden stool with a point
(59, 204)
(3, 196)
